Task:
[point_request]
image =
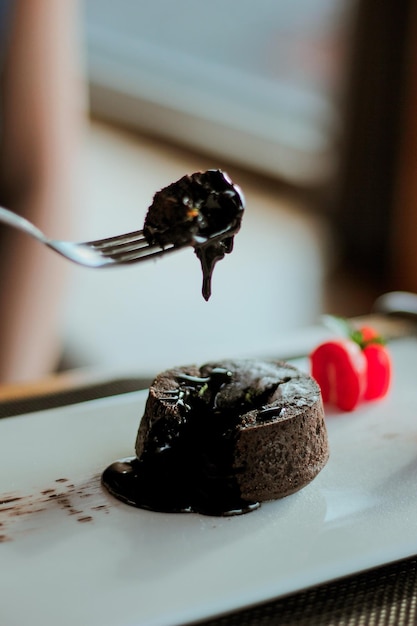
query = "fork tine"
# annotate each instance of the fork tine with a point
(143, 253)
(135, 236)
(122, 247)
(128, 248)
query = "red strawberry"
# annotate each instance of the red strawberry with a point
(379, 369)
(354, 368)
(340, 368)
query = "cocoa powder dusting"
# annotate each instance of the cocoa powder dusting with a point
(20, 514)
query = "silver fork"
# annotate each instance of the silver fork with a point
(128, 248)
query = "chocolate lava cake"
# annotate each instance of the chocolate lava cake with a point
(203, 210)
(222, 438)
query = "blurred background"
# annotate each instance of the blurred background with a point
(309, 105)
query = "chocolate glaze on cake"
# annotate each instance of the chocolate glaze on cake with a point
(203, 210)
(222, 438)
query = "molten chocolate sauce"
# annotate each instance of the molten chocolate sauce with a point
(189, 469)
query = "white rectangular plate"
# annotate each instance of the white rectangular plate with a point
(71, 554)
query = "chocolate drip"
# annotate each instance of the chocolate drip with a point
(209, 254)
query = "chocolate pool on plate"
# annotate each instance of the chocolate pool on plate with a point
(222, 438)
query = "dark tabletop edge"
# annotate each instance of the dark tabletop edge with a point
(66, 397)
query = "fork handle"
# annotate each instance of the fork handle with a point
(21, 223)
